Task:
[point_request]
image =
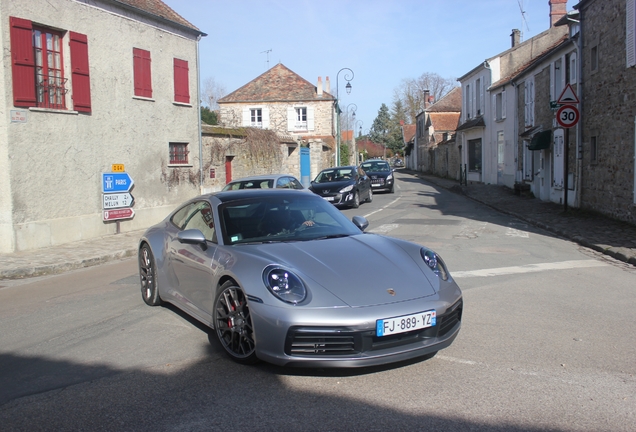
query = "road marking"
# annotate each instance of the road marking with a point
(384, 228)
(528, 268)
(383, 208)
(517, 233)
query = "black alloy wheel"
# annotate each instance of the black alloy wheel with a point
(233, 324)
(148, 277)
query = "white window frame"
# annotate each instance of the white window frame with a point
(499, 102)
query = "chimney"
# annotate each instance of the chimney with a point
(516, 37)
(427, 98)
(319, 87)
(327, 85)
(558, 9)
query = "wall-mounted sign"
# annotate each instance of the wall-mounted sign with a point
(18, 116)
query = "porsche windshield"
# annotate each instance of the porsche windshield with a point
(274, 219)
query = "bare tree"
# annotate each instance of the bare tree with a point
(413, 91)
(212, 92)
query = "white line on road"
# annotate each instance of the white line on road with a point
(528, 268)
(379, 210)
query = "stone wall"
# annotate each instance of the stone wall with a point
(608, 112)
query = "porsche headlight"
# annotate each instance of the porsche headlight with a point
(347, 189)
(285, 285)
(435, 263)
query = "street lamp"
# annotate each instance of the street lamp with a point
(355, 143)
(348, 76)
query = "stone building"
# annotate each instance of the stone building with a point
(282, 101)
(608, 107)
(86, 85)
(435, 146)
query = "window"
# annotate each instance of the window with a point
(197, 215)
(593, 150)
(500, 105)
(141, 71)
(181, 81)
(594, 58)
(256, 117)
(38, 69)
(474, 155)
(571, 72)
(469, 101)
(478, 96)
(178, 153)
(557, 79)
(529, 103)
(301, 118)
(49, 74)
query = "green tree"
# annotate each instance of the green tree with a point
(208, 116)
(381, 126)
(399, 117)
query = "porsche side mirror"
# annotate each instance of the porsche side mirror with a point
(192, 236)
(361, 222)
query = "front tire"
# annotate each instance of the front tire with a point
(356, 200)
(233, 324)
(370, 197)
(148, 277)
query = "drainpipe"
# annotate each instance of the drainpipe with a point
(199, 117)
(579, 126)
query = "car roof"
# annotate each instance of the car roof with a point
(261, 177)
(232, 195)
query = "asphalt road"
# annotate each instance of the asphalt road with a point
(546, 344)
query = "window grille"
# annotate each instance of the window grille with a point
(178, 153)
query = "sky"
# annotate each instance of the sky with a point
(383, 42)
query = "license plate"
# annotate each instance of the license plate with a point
(406, 323)
(328, 198)
(375, 184)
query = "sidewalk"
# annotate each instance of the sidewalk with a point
(602, 234)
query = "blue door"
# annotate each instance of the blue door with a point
(305, 167)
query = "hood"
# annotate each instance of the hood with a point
(360, 270)
(331, 186)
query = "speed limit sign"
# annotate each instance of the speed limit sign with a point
(567, 116)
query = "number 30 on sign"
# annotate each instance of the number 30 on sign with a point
(567, 116)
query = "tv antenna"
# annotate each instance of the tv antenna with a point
(267, 53)
(523, 18)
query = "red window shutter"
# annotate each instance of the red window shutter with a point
(181, 81)
(23, 62)
(141, 70)
(79, 72)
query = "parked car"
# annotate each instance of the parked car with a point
(285, 277)
(398, 163)
(343, 186)
(380, 173)
(280, 181)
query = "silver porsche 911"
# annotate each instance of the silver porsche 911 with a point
(283, 276)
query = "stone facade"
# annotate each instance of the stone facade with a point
(52, 159)
(608, 111)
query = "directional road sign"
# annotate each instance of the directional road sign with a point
(122, 213)
(117, 200)
(116, 182)
(567, 116)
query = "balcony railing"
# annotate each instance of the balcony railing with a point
(51, 91)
